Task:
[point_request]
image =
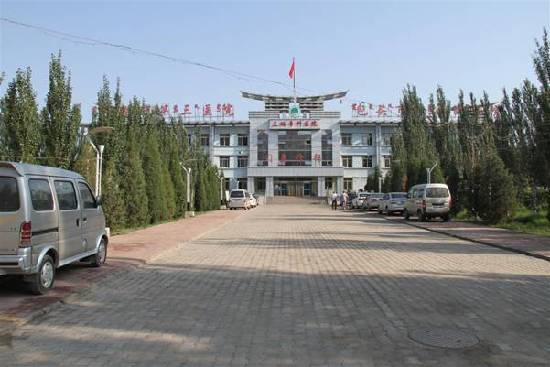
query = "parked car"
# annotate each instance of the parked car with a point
(373, 201)
(257, 197)
(48, 218)
(392, 202)
(428, 201)
(239, 198)
(252, 200)
(357, 202)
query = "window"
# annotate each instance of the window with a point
(437, 192)
(41, 194)
(263, 153)
(9, 195)
(419, 194)
(88, 200)
(243, 140)
(205, 140)
(387, 161)
(242, 161)
(224, 162)
(66, 195)
(347, 161)
(329, 183)
(366, 139)
(225, 140)
(237, 194)
(367, 161)
(294, 148)
(346, 139)
(348, 184)
(326, 148)
(226, 184)
(387, 139)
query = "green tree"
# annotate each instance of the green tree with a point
(85, 164)
(498, 199)
(152, 168)
(60, 120)
(372, 180)
(20, 126)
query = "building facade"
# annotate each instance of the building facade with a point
(293, 147)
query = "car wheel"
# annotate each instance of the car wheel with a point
(43, 280)
(446, 218)
(101, 256)
(406, 215)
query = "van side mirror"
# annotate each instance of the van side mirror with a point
(408, 195)
(98, 201)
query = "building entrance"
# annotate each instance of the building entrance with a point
(295, 186)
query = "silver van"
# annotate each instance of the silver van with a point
(428, 201)
(48, 218)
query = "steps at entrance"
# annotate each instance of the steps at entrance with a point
(281, 200)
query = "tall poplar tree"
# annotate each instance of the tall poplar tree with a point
(60, 120)
(20, 126)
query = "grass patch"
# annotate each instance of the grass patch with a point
(527, 221)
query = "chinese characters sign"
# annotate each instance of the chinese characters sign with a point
(206, 112)
(375, 110)
(294, 124)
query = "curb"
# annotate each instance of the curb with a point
(505, 248)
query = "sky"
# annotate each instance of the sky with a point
(371, 49)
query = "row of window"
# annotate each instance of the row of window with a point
(367, 161)
(225, 161)
(347, 161)
(41, 195)
(225, 140)
(366, 139)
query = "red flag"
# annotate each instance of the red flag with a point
(291, 71)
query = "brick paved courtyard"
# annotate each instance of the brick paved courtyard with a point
(300, 285)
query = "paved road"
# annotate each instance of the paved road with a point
(300, 285)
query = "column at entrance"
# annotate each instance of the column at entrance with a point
(269, 186)
(250, 184)
(321, 192)
(339, 184)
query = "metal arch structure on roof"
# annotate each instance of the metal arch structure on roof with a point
(300, 99)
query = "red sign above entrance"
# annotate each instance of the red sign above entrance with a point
(294, 124)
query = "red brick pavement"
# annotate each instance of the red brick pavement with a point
(124, 251)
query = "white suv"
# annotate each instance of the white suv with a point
(239, 199)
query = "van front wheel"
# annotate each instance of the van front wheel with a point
(43, 280)
(101, 256)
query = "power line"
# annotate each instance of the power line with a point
(83, 40)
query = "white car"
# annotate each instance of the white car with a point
(253, 201)
(357, 202)
(239, 199)
(428, 201)
(392, 202)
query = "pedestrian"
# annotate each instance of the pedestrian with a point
(334, 199)
(345, 199)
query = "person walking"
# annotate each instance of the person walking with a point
(334, 202)
(345, 199)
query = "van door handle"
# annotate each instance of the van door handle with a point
(78, 222)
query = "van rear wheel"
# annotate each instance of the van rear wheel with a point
(101, 256)
(43, 280)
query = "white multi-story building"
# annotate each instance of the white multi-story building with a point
(297, 149)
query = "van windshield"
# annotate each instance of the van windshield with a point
(237, 194)
(437, 192)
(9, 195)
(398, 195)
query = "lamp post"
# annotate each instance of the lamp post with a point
(99, 154)
(188, 171)
(429, 172)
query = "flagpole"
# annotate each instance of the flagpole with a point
(294, 79)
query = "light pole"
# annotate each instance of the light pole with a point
(188, 171)
(98, 154)
(429, 172)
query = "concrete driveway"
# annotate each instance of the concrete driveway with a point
(301, 285)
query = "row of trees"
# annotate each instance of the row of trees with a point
(143, 178)
(491, 159)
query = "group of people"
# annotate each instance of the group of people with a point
(341, 199)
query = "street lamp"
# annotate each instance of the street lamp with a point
(188, 171)
(429, 172)
(99, 154)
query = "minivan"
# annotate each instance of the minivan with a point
(49, 217)
(428, 201)
(239, 199)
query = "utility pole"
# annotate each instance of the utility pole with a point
(188, 171)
